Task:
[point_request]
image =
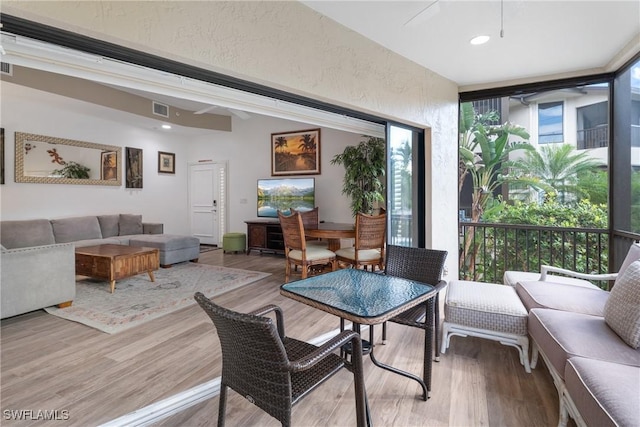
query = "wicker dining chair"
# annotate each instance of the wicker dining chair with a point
(425, 266)
(274, 371)
(297, 252)
(311, 219)
(368, 249)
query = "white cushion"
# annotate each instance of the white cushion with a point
(622, 310)
(486, 306)
(512, 278)
(313, 253)
(363, 254)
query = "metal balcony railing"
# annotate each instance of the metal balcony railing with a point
(488, 250)
(593, 138)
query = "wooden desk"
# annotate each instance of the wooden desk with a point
(332, 232)
(365, 298)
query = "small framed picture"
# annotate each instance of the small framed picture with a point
(166, 162)
(109, 170)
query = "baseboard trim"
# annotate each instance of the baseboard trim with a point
(162, 409)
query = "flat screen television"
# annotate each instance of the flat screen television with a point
(282, 194)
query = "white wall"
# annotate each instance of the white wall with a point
(164, 198)
(247, 152)
(288, 46)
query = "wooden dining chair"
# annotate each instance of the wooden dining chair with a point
(311, 219)
(425, 266)
(273, 371)
(297, 252)
(368, 249)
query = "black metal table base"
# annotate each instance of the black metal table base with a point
(368, 349)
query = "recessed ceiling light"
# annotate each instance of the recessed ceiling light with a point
(166, 126)
(479, 40)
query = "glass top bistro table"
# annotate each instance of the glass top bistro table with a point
(364, 298)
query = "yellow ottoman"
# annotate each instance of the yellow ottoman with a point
(234, 242)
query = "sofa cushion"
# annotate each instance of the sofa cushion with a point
(511, 278)
(130, 224)
(604, 393)
(109, 225)
(622, 311)
(24, 234)
(561, 335)
(559, 296)
(76, 228)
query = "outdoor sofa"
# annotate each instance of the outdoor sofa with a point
(589, 339)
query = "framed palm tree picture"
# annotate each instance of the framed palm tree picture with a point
(295, 153)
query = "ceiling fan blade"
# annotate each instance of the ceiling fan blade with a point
(206, 109)
(424, 15)
(240, 114)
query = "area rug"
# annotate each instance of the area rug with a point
(138, 300)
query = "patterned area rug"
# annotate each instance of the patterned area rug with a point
(138, 300)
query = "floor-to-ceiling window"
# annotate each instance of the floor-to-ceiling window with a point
(403, 186)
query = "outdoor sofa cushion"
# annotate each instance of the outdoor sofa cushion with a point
(563, 334)
(604, 393)
(560, 296)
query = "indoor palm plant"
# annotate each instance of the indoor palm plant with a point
(364, 166)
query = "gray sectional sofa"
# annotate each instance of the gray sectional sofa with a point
(37, 260)
(589, 340)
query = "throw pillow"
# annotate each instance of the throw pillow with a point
(109, 225)
(622, 310)
(130, 224)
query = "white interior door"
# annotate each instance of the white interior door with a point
(207, 201)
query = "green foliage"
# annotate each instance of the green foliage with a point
(594, 186)
(564, 243)
(73, 170)
(551, 213)
(364, 167)
(552, 168)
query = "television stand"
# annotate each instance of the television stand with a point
(265, 236)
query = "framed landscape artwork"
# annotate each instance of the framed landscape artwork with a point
(166, 162)
(133, 170)
(295, 153)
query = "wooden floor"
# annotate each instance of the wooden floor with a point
(48, 363)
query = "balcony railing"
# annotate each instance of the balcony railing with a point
(400, 232)
(593, 138)
(488, 250)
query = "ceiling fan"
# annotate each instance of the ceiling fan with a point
(238, 113)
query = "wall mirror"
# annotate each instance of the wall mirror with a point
(49, 160)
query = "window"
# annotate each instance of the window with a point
(402, 188)
(550, 116)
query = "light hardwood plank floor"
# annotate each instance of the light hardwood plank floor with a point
(49, 363)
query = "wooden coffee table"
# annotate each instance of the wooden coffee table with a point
(115, 262)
